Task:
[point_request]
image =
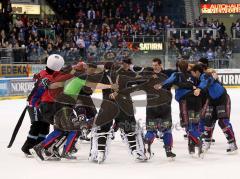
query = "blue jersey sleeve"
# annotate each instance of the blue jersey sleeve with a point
(205, 82)
(37, 95)
(170, 81)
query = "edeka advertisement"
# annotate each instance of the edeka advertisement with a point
(20, 70)
(12, 70)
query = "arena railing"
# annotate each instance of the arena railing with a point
(145, 38)
(46, 32)
(236, 33)
(192, 33)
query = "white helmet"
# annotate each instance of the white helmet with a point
(55, 62)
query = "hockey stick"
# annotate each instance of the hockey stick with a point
(17, 127)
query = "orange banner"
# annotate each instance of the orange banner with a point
(220, 8)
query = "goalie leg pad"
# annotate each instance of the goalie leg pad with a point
(52, 137)
(71, 140)
(134, 140)
(100, 142)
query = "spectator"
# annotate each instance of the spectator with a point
(210, 54)
(91, 14)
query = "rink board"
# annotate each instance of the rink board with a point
(18, 88)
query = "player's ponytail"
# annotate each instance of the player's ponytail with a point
(183, 66)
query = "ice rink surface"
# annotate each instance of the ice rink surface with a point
(217, 164)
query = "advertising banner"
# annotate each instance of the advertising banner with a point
(220, 8)
(20, 87)
(4, 87)
(36, 68)
(26, 8)
(229, 77)
(20, 70)
(12, 70)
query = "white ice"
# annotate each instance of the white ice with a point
(216, 164)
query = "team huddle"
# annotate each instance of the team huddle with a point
(62, 97)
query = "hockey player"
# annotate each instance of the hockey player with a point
(101, 136)
(205, 65)
(47, 96)
(38, 129)
(124, 120)
(189, 104)
(217, 107)
(64, 112)
(42, 100)
(158, 118)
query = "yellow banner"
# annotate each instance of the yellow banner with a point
(10, 70)
(26, 8)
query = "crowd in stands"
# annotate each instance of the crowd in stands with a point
(205, 44)
(235, 29)
(99, 26)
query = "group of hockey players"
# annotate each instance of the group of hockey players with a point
(62, 98)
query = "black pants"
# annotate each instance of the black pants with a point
(123, 121)
(38, 129)
(163, 115)
(190, 109)
(215, 109)
(48, 111)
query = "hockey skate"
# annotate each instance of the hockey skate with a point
(97, 158)
(191, 147)
(200, 149)
(40, 153)
(185, 136)
(138, 156)
(27, 152)
(29, 144)
(206, 146)
(100, 157)
(92, 157)
(68, 156)
(232, 148)
(74, 150)
(203, 136)
(148, 152)
(170, 155)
